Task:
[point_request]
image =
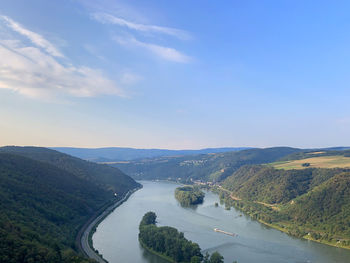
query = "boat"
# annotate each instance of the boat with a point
(224, 232)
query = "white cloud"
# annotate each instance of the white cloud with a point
(35, 72)
(167, 53)
(32, 36)
(110, 19)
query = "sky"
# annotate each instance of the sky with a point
(183, 74)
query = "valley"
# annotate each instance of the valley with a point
(307, 201)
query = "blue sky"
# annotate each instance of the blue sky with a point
(174, 74)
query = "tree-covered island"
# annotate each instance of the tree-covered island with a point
(171, 244)
(188, 195)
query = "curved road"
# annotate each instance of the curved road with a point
(84, 241)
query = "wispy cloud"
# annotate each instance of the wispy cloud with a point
(110, 19)
(167, 53)
(34, 71)
(32, 36)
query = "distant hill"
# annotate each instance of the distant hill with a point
(205, 167)
(113, 154)
(45, 198)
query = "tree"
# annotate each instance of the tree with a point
(195, 259)
(149, 219)
(206, 258)
(216, 257)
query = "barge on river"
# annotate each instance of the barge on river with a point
(224, 232)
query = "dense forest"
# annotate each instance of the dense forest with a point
(189, 195)
(266, 184)
(205, 167)
(311, 203)
(106, 177)
(43, 206)
(170, 243)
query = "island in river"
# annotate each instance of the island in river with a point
(189, 195)
(170, 244)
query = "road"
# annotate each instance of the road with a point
(84, 241)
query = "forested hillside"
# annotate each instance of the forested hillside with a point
(326, 208)
(43, 206)
(106, 177)
(205, 167)
(311, 203)
(266, 184)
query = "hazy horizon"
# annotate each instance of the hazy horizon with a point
(175, 149)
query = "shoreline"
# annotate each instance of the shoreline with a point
(267, 224)
(304, 237)
(284, 230)
(150, 250)
(84, 237)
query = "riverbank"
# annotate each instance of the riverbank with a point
(117, 236)
(283, 227)
(306, 237)
(84, 236)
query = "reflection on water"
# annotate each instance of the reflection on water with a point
(149, 257)
(117, 236)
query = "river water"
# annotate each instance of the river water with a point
(116, 237)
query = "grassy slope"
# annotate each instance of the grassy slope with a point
(330, 161)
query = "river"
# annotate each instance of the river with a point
(116, 236)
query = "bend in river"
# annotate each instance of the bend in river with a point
(117, 236)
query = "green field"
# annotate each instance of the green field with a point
(333, 161)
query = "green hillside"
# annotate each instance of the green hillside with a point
(104, 176)
(326, 161)
(43, 206)
(326, 208)
(312, 203)
(206, 167)
(267, 184)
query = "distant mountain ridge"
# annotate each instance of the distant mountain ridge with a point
(114, 154)
(206, 167)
